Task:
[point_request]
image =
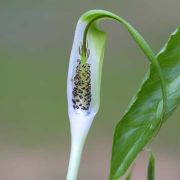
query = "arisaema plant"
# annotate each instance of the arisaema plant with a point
(155, 100)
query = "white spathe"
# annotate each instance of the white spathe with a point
(81, 120)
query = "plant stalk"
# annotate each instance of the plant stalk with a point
(75, 158)
(79, 130)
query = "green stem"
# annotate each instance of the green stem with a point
(75, 158)
(79, 130)
(151, 168)
(141, 43)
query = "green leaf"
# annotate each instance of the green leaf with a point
(142, 120)
(151, 168)
(129, 176)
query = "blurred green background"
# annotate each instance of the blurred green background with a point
(35, 43)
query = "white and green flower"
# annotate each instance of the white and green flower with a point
(84, 78)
